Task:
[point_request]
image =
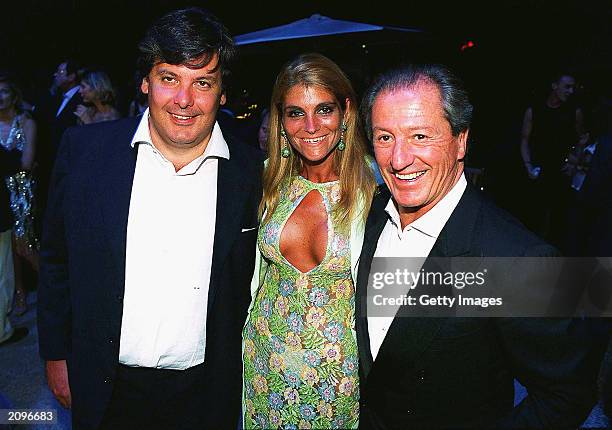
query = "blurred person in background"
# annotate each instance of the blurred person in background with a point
(18, 133)
(139, 102)
(98, 97)
(264, 130)
(9, 164)
(550, 132)
(53, 114)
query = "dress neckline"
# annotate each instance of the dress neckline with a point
(308, 181)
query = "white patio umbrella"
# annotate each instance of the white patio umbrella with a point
(316, 25)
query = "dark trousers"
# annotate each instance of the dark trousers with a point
(148, 398)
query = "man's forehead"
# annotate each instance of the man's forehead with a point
(203, 65)
(421, 89)
(416, 95)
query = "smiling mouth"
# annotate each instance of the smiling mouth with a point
(314, 139)
(410, 176)
(183, 117)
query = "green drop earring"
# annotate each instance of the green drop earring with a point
(285, 152)
(341, 144)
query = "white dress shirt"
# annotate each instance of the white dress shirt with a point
(415, 240)
(170, 235)
(66, 98)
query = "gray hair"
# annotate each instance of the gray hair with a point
(455, 103)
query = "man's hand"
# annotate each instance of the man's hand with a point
(57, 379)
(532, 172)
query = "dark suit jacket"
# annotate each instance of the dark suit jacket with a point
(458, 372)
(82, 270)
(595, 201)
(50, 130)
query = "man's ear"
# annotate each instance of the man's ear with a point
(223, 99)
(462, 144)
(144, 86)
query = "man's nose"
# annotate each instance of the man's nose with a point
(184, 96)
(311, 124)
(402, 156)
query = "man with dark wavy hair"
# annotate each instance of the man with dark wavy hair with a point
(148, 249)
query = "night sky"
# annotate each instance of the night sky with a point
(516, 36)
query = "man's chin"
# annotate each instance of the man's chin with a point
(410, 205)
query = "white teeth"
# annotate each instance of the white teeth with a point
(315, 140)
(181, 117)
(410, 176)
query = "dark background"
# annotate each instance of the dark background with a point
(517, 44)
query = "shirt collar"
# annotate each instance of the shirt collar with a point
(433, 221)
(72, 91)
(217, 146)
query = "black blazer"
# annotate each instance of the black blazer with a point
(50, 129)
(458, 372)
(595, 201)
(82, 269)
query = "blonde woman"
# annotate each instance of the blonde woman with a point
(300, 350)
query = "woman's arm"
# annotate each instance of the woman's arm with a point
(525, 135)
(29, 149)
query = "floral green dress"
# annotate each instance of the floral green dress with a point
(300, 348)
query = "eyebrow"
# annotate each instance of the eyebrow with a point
(209, 77)
(330, 103)
(414, 128)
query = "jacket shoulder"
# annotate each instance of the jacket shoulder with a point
(248, 156)
(107, 132)
(500, 233)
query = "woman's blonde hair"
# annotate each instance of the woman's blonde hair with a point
(101, 86)
(355, 175)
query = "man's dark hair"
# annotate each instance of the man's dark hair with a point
(188, 37)
(73, 66)
(457, 107)
(556, 75)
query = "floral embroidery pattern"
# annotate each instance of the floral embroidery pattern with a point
(300, 351)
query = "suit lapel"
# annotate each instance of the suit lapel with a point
(375, 224)
(231, 195)
(117, 175)
(408, 337)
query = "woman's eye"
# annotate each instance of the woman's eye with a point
(326, 109)
(294, 113)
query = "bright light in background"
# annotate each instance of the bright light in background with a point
(467, 45)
